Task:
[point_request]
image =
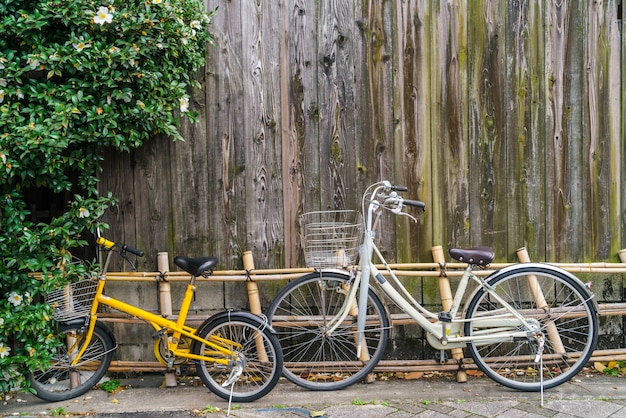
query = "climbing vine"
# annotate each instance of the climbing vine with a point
(77, 78)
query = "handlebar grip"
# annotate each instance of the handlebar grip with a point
(132, 250)
(415, 203)
(399, 188)
(110, 244)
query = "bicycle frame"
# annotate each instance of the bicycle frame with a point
(159, 323)
(440, 334)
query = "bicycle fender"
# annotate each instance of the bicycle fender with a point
(261, 321)
(83, 322)
(539, 267)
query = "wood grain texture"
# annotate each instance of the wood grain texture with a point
(504, 116)
(533, 234)
(601, 137)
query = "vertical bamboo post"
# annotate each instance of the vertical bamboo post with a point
(70, 342)
(540, 300)
(254, 301)
(165, 289)
(363, 354)
(72, 350)
(165, 305)
(446, 303)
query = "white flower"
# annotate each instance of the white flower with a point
(1, 322)
(113, 49)
(140, 104)
(15, 299)
(1, 96)
(4, 350)
(33, 62)
(184, 104)
(80, 45)
(19, 94)
(103, 16)
(3, 82)
(132, 62)
(83, 213)
(157, 1)
(195, 24)
(3, 157)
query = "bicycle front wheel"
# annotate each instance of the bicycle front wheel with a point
(301, 314)
(563, 320)
(62, 380)
(254, 362)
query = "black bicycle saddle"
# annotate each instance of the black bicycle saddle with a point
(195, 266)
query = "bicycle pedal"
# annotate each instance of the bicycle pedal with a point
(445, 316)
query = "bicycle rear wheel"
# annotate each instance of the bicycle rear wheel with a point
(301, 313)
(62, 381)
(256, 352)
(560, 309)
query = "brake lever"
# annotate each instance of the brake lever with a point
(413, 218)
(124, 255)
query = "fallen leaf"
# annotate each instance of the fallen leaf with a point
(317, 414)
(599, 366)
(115, 400)
(476, 373)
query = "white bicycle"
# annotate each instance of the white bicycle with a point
(528, 326)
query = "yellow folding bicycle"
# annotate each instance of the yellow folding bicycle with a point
(236, 354)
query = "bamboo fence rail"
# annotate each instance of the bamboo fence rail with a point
(253, 276)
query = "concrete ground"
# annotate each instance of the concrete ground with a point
(588, 395)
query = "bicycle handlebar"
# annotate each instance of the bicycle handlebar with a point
(414, 203)
(110, 244)
(383, 195)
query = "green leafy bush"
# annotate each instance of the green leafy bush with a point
(76, 77)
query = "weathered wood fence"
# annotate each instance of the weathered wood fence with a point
(505, 116)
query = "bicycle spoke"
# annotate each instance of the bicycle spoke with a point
(567, 320)
(301, 314)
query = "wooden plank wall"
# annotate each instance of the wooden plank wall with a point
(505, 116)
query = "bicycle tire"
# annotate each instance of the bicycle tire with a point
(259, 375)
(569, 310)
(62, 381)
(300, 314)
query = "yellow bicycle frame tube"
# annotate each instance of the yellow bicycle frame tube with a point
(158, 322)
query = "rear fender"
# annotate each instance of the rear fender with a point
(261, 321)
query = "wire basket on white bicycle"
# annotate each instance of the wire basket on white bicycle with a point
(72, 300)
(331, 239)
